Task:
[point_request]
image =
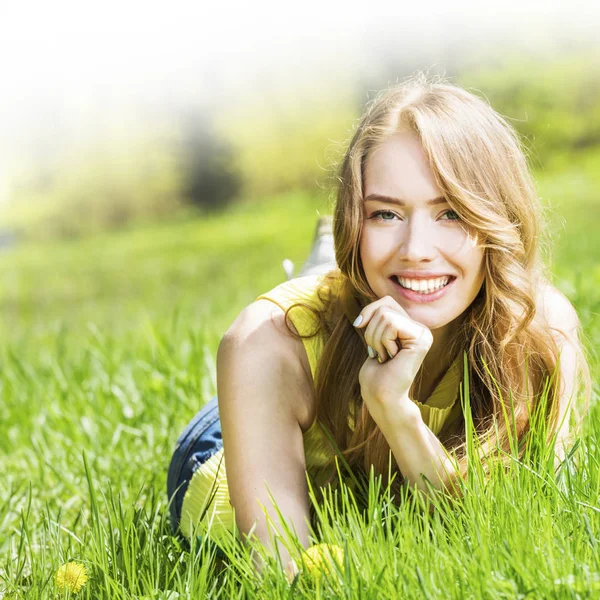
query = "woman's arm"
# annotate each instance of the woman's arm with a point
(385, 386)
(265, 393)
(564, 325)
(418, 452)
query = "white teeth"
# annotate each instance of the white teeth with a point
(424, 285)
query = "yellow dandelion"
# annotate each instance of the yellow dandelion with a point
(318, 558)
(71, 576)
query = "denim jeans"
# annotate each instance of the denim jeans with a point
(198, 442)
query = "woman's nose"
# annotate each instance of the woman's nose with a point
(418, 241)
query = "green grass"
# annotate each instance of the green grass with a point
(107, 349)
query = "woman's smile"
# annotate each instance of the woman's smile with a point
(424, 290)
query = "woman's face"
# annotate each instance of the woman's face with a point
(412, 239)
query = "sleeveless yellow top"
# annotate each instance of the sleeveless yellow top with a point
(206, 500)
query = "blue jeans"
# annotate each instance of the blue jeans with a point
(198, 442)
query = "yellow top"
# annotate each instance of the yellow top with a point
(207, 497)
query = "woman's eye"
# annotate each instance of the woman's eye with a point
(451, 212)
(381, 213)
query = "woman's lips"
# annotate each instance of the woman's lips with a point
(420, 298)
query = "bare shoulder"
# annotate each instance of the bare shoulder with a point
(259, 341)
(559, 312)
(263, 323)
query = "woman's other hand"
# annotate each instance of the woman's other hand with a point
(398, 347)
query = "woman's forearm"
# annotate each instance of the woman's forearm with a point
(417, 450)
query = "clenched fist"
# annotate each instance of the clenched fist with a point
(397, 348)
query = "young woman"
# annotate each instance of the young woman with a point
(436, 231)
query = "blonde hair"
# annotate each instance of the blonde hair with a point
(481, 169)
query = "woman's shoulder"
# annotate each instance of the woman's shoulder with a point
(259, 338)
(558, 310)
(262, 322)
(269, 320)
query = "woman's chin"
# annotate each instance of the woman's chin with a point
(432, 322)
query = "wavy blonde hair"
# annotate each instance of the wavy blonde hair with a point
(480, 167)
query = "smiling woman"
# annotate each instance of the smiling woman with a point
(436, 232)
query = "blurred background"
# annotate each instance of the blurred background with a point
(165, 161)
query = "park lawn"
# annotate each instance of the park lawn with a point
(107, 349)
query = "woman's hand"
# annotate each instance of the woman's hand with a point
(291, 570)
(400, 345)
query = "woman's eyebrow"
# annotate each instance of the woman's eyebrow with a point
(389, 200)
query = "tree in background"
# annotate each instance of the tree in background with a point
(211, 179)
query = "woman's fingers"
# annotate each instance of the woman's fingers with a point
(371, 338)
(377, 337)
(368, 311)
(379, 349)
(388, 330)
(390, 341)
(291, 570)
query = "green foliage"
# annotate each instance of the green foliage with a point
(554, 104)
(290, 138)
(109, 184)
(122, 280)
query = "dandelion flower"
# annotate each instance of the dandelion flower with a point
(71, 576)
(318, 558)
